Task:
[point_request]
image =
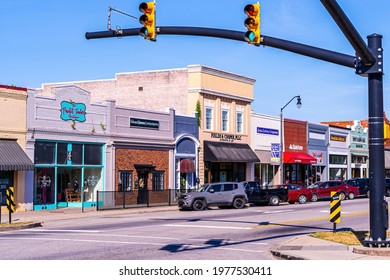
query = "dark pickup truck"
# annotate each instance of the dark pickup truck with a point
(258, 195)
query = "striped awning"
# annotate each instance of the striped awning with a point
(12, 157)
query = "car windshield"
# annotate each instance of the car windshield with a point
(313, 186)
(202, 189)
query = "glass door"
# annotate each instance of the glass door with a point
(44, 191)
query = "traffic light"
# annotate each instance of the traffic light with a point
(252, 36)
(148, 19)
(386, 130)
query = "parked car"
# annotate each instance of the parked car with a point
(266, 195)
(230, 194)
(361, 183)
(297, 193)
(322, 190)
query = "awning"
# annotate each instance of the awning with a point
(187, 165)
(12, 157)
(387, 159)
(264, 156)
(300, 158)
(228, 152)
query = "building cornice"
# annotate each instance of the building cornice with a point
(220, 73)
(220, 94)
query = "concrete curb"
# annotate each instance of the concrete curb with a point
(12, 227)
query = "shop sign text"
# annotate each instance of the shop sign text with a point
(226, 137)
(71, 111)
(141, 123)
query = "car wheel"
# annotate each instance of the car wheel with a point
(238, 203)
(198, 205)
(274, 200)
(314, 197)
(342, 196)
(368, 194)
(302, 199)
(351, 195)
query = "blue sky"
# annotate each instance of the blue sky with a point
(43, 41)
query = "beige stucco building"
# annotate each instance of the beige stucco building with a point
(13, 161)
(225, 104)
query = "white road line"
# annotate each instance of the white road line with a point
(274, 212)
(183, 247)
(63, 230)
(328, 211)
(204, 226)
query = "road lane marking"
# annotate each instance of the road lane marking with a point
(274, 211)
(307, 220)
(200, 226)
(63, 230)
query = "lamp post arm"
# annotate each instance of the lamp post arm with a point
(281, 110)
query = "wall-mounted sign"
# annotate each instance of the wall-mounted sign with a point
(319, 156)
(269, 131)
(296, 147)
(338, 138)
(71, 111)
(226, 137)
(141, 123)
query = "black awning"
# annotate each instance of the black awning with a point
(12, 157)
(228, 152)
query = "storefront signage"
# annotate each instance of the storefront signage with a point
(359, 139)
(269, 131)
(338, 138)
(141, 123)
(226, 137)
(71, 111)
(319, 156)
(296, 147)
(275, 153)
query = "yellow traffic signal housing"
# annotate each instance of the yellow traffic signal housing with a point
(386, 130)
(252, 36)
(148, 19)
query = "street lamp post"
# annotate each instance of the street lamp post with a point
(281, 167)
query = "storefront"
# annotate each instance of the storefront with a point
(186, 152)
(338, 153)
(318, 148)
(359, 151)
(265, 141)
(227, 161)
(297, 162)
(67, 139)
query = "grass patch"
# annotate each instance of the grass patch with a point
(14, 224)
(343, 237)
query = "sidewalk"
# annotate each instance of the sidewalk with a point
(299, 248)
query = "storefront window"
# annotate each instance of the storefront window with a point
(158, 181)
(92, 154)
(62, 153)
(337, 173)
(92, 183)
(44, 153)
(44, 186)
(125, 181)
(337, 159)
(77, 154)
(6, 180)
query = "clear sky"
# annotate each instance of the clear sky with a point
(43, 41)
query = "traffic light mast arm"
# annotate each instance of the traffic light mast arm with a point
(306, 50)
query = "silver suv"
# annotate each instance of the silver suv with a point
(230, 194)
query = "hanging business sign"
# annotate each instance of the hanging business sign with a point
(275, 153)
(71, 111)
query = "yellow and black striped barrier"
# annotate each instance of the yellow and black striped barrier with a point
(335, 209)
(10, 201)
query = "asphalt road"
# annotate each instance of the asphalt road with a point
(217, 234)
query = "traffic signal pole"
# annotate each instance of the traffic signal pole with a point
(368, 62)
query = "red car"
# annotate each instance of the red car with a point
(297, 193)
(322, 190)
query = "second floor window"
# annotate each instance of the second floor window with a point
(225, 120)
(239, 122)
(209, 118)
